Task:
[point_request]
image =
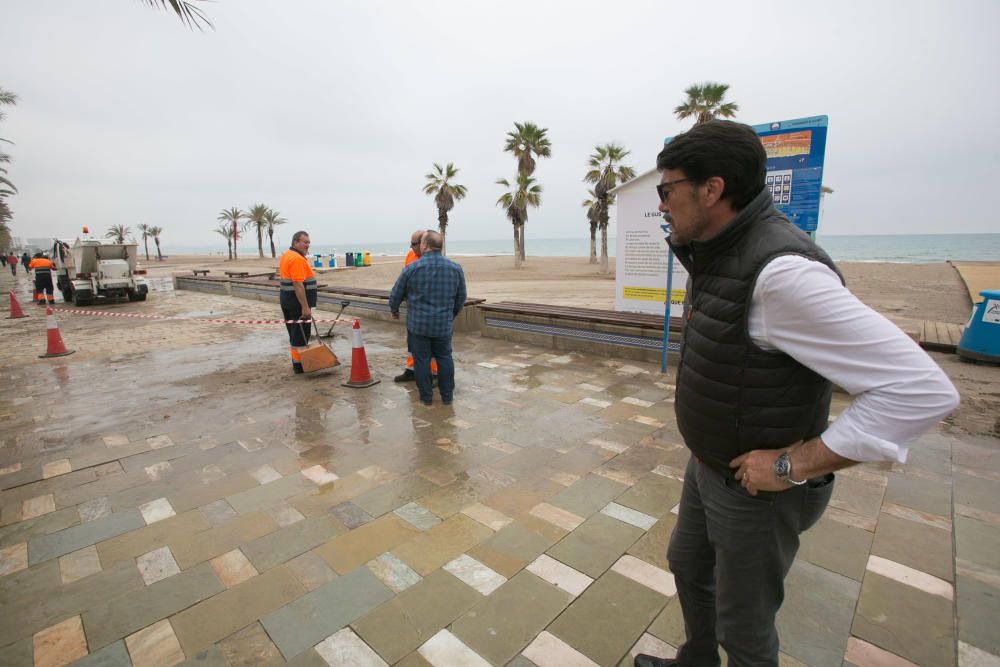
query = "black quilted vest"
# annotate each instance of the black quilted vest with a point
(732, 396)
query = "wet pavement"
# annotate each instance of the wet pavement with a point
(170, 493)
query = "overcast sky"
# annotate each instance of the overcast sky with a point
(331, 112)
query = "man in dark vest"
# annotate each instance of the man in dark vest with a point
(768, 327)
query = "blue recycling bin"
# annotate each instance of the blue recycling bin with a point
(349, 259)
(981, 338)
(318, 261)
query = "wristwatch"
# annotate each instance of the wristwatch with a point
(783, 469)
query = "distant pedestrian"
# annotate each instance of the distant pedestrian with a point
(3, 258)
(25, 260)
(297, 295)
(434, 291)
(12, 263)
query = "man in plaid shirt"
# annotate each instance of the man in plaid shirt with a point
(434, 291)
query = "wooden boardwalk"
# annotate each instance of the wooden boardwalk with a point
(940, 336)
(978, 276)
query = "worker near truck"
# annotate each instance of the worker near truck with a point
(43, 267)
(298, 295)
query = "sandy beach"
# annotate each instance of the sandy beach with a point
(905, 293)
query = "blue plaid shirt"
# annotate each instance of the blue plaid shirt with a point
(434, 290)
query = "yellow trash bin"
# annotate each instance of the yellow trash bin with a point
(367, 258)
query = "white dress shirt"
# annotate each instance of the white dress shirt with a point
(800, 307)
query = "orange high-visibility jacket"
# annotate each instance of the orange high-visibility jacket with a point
(41, 263)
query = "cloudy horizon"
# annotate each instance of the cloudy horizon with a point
(331, 113)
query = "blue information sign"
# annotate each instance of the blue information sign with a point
(795, 150)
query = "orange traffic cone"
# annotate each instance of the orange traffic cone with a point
(56, 347)
(15, 308)
(360, 375)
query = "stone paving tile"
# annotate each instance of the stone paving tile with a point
(906, 621)
(417, 516)
(250, 646)
(94, 509)
(978, 492)
(926, 495)
(861, 653)
(345, 648)
(233, 568)
(198, 547)
(516, 545)
(606, 637)
(653, 495)
(445, 649)
(475, 574)
(223, 614)
(501, 625)
(556, 516)
(74, 538)
(112, 655)
(857, 497)
(283, 545)
(267, 494)
(143, 540)
(916, 545)
(34, 507)
(520, 498)
(971, 655)
(13, 558)
(596, 544)
(652, 547)
(975, 541)
(26, 583)
(56, 468)
(316, 615)
(837, 547)
(155, 646)
(393, 495)
(815, 633)
(560, 575)
(23, 531)
(208, 495)
(428, 551)
(284, 514)
(115, 618)
(156, 510)
(79, 564)
(588, 495)
(392, 572)
(978, 607)
(217, 512)
(311, 570)
(629, 516)
(344, 553)
(648, 575)
(350, 514)
(415, 615)
(547, 650)
(59, 644)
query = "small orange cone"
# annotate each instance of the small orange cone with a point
(15, 308)
(360, 375)
(56, 347)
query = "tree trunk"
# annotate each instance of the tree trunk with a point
(229, 242)
(517, 247)
(236, 240)
(159, 256)
(604, 248)
(270, 237)
(145, 242)
(593, 244)
(442, 227)
(521, 240)
(260, 242)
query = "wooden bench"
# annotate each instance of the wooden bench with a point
(237, 274)
(605, 332)
(200, 272)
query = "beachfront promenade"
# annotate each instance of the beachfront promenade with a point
(171, 493)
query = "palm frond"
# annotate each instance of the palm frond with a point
(186, 11)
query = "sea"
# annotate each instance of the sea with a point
(902, 248)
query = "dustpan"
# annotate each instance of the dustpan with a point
(317, 355)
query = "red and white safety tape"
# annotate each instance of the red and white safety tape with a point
(102, 313)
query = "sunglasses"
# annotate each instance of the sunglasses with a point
(664, 189)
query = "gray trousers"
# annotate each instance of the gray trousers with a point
(729, 555)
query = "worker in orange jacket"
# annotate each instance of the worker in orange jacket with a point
(297, 294)
(43, 268)
(412, 255)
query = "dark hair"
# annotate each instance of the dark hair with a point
(297, 235)
(731, 151)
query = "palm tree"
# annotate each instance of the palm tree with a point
(704, 102)
(232, 217)
(593, 216)
(119, 233)
(7, 188)
(144, 230)
(605, 173)
(525, 143)
(155, 233)
(189, 15)
(515, 203)
(445, 194)
(226, 231)
(271, 220)
(256, 218)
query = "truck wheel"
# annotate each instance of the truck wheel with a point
(81, 298)
(136, 296)
(67, 293)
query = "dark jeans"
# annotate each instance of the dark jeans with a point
(729, 554)
(423, 348)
